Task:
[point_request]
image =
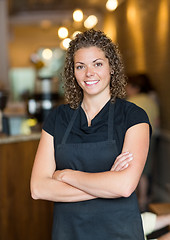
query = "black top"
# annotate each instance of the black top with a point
(94, 149)
(127, 114)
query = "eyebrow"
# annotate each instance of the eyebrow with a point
(98, 59)
(93, 61)
(79, 62)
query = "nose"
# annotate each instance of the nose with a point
(89, 71)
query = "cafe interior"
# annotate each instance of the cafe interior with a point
(35, 35)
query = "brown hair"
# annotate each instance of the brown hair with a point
(73, 92)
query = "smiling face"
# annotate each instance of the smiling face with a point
(92, 71)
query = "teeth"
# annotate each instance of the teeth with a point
(91, 82)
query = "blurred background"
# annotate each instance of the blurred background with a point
(34, 37)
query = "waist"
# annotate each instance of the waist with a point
(99, 205)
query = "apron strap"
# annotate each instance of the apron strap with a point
(69, 126)
(111, 121)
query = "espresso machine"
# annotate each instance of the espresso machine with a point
(4, 128)
(44, 99)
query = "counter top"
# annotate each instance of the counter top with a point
(19, 138)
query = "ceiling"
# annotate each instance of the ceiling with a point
(58, 12)
(18, 6)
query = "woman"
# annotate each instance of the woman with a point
(84, 159)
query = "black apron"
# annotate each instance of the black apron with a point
(97, 219)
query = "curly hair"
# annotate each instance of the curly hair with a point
(89, 38)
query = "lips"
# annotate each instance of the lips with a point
(90, 83)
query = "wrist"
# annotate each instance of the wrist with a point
(67, 176)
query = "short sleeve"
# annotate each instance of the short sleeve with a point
(136, 115)
(49, 123)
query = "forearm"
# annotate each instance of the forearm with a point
(162, 221)
(113, 184)
(165, 236)
(43, 186)
(104, 184)
(53, 190)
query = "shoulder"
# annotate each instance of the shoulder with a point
(125, 107)
(129, 113)
(61, 113)
(61, 110)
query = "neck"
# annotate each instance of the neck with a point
(95, 102)
(93, 105)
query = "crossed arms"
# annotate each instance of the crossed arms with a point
(72, 186)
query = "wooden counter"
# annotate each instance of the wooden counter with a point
(160, 208)
(19, 138)
(21, 217)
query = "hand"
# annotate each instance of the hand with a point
(122, 161)
(58, 175)
(166, 236)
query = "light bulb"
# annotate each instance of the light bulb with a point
(111, 5)
(75, 33)
(47, 53)
(62, 32)
(78, 15)
(65, 43)
(91, 21)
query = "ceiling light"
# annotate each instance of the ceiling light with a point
(91, 21)
(78, 15)
(47, 54)
(62, 32)
(65, 43)
(111, 5)
(75, 33)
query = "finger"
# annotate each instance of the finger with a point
(123, 168)
(120, 166)
(123, 156)
(121, 163)
(125, 159)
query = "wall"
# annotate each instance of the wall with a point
(4, 44)
(141, 29)
(27, 39)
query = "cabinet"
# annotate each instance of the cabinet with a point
(21, 217)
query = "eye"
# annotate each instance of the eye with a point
(78, 67)
(98, 64)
